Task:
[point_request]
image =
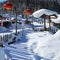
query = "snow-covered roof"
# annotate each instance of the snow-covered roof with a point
(57, 34)
(6, 15)
(57, 20)
(41, 12)
(4, 20)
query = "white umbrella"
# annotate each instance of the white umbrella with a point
(41, 12)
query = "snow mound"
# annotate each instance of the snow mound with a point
(45, 44)
(57, 34)
(36, 37)
(2, 54)
(49, 48)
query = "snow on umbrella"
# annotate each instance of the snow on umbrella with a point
(44, 13)
(41, 12)
(56, 20)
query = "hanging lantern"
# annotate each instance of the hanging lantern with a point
(28, 12)
(8, 6)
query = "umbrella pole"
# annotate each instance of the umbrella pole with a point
(44, 23)
(49, 23)
(16, 23)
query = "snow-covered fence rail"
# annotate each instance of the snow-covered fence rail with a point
(6, 37)
(10, 36)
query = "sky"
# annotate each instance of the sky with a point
(2, 0)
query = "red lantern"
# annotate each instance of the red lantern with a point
(28, 11)
(8, 6)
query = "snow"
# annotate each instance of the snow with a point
(57, 20)
(39, 26)
(40, 12)
(13, 26)
(42, 43)
(56, 35)
(5, 20)
(2, 29)
(6, 15)
(31, 44)
(36, 24)
(18, 17)
(36, 36)
(45, 44)
(2, 54)
(12, 18)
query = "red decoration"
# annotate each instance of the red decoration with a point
(28, 12)
(48, 17)
(1, 23)
(8, 6)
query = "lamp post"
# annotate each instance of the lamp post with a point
(8, 6)
(15, 8)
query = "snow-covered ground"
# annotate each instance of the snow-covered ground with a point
(32, 45)
(45, 44)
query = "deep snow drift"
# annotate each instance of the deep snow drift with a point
(45, 44)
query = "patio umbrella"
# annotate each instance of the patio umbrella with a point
(41, 12)
(44, 13)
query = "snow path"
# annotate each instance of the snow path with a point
(19, 50)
